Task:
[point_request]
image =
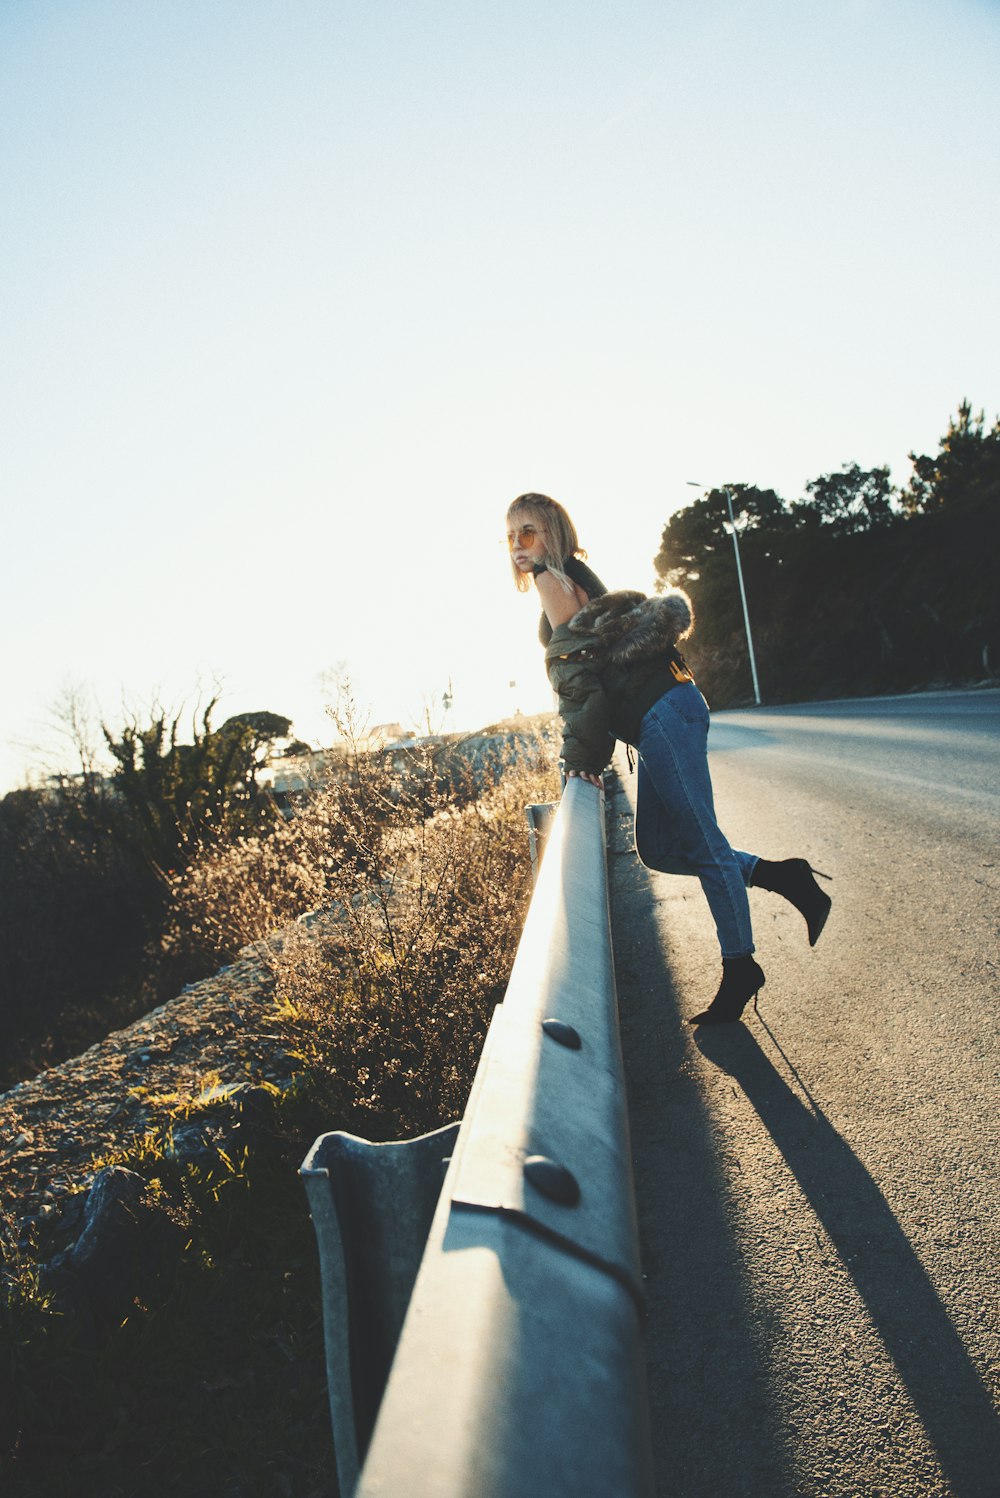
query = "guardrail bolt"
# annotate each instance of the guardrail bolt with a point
(558, 1029)
(552, 1180)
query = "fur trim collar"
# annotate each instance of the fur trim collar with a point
(631, 626)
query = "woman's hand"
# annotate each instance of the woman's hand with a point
(585, 775)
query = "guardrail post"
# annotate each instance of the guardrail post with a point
(539, 817)
(371, 1207)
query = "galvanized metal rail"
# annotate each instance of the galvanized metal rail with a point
(519, 1368)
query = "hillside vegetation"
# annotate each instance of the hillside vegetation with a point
(194, 1363)
(118, 887)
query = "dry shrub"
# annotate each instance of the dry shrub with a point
(419, 868)
(389, 1006)
(237, 891)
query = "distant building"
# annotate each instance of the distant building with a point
(382, 736)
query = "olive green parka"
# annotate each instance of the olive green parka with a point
(609, 664)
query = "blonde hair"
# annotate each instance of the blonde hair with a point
(557, 532)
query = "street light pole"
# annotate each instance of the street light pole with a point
(743, 592)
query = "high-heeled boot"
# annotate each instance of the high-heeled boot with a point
(793, 878)
(741, 981)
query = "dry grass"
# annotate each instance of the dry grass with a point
(390, 1007)
(422, 869)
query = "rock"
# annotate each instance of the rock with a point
(242, 1102)
(125, 1240)
(72, 1213)
(222, 1119)
(193, 1143)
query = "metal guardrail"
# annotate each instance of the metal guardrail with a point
(519, 1367)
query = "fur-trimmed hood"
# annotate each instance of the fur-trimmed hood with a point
(631, 626)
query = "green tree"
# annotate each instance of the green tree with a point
(697, 536)
(696, 553)
(855, 499)
(85, 865)
(965, 468)
(180, 793)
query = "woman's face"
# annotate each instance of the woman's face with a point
(526, 538)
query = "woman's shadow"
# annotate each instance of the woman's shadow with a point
(951, 1400)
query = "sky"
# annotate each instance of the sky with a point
(297, 295)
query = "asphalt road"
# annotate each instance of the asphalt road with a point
(817, 1187)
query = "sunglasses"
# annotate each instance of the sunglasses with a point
(523, 536)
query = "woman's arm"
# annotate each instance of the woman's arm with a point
(559, 605)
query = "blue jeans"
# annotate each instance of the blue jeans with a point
(675, 827)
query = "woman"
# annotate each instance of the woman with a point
(613, 660)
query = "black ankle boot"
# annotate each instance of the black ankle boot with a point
(793, 878)
(741, 980)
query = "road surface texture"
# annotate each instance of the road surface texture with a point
(817, 1186)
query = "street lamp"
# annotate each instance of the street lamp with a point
(692, 483)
